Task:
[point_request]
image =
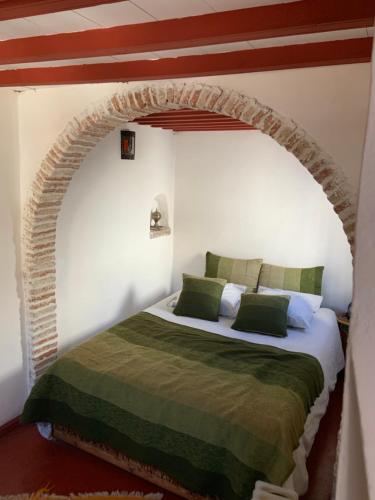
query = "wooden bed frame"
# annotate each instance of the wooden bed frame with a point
(120, 460)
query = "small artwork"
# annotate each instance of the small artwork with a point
(127, 145)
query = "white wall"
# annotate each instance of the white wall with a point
(240, 194)
(356, 467)
(107, 266)
(330, 102)
(12, 385)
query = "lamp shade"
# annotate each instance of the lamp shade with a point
(127, 145)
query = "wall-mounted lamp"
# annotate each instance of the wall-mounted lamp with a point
(127, 145)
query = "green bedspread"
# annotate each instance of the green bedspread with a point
(214, 413)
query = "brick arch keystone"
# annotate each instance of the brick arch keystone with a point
(83, 133)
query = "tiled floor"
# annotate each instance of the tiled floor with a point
(28, 462)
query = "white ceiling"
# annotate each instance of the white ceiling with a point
(121, 13)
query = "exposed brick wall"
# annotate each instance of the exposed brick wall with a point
(83, 133)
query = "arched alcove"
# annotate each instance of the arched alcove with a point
(83, 133)
(160, 204)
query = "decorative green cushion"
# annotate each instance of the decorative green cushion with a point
(240, 271)
(200, 297)
(306, 280)
(266, 314)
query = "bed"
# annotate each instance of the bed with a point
(192, 405)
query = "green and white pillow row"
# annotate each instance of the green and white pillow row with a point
(285, 296)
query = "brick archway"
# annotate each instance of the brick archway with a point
(83, 133)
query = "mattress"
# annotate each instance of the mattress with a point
(321, 340)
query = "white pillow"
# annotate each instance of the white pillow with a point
(230, 299)
(302, 306)
(173, 301)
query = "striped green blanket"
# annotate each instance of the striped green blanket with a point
(214, 413)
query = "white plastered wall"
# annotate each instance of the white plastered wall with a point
(240, 194)
(356, 471)
(328, 102)
(12, 378)
(107, 266)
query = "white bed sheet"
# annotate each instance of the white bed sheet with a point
(321, 340)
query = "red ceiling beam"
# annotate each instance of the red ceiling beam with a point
(211, 119)
(178, 112)
(14, 9)
(178, 120)
(189, 120)
(207, 129)
(196, 124)
(305, 16)
(202, 129)
(172, 115)
(276, 58)
(192, 124)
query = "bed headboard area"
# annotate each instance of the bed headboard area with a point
(254, 201)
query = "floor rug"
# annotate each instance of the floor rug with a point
(116, 495)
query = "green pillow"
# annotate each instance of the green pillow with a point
(306, 280)
(266, 314)
(200, 297)
(240, 271)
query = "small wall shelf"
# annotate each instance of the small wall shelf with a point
(162, 231)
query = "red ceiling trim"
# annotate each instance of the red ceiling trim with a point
(276, 58)
(197, 124)
(193, 123)
(14, 9)
(207, 129)
(177, 116)
(177, 112)
(192, 119)
(306, 16)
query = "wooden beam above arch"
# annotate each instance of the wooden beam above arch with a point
(189, 120)
(290, 56)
